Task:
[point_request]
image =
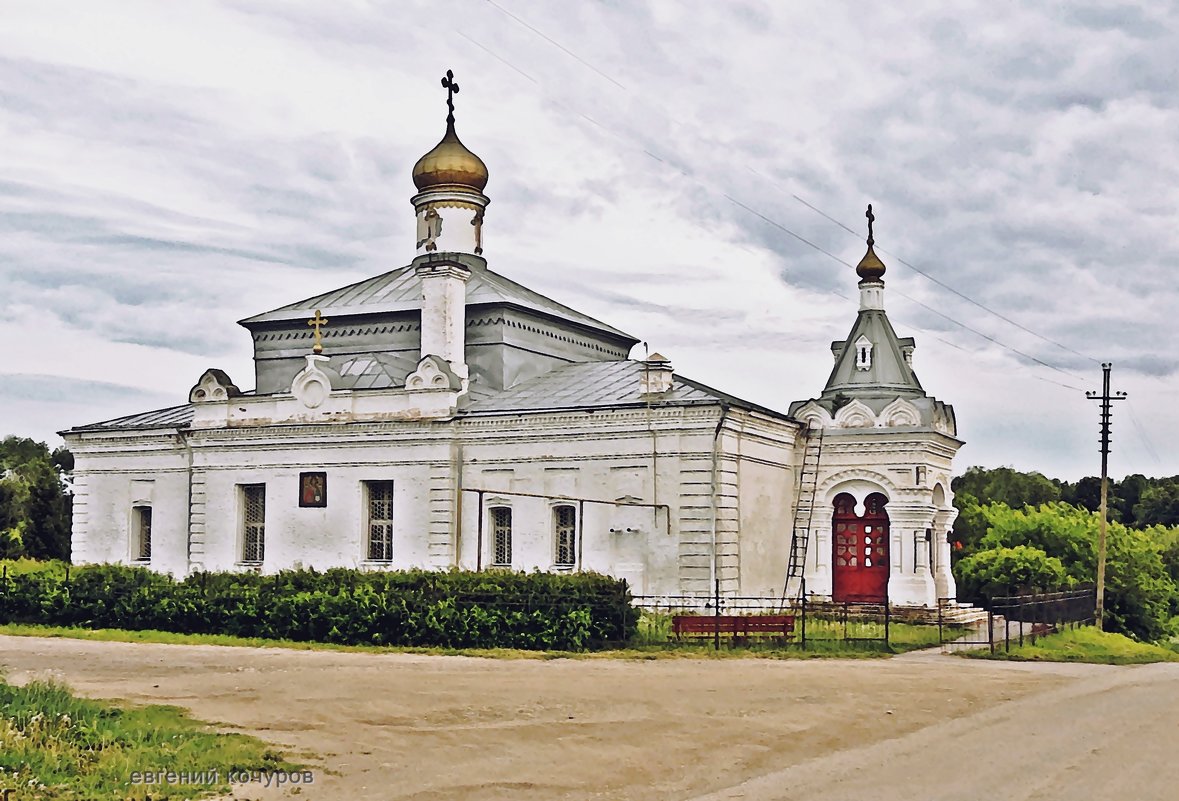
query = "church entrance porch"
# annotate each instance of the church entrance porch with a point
(860, 550)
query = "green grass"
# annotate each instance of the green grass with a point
(1085, 644)
(652, 642)
(57, 747)
(825, 637)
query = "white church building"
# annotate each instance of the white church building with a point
(441, 415)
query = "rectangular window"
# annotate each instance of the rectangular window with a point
(141, 533)
(380, 520)
(565, 535)
(253, 522)
(501, 536)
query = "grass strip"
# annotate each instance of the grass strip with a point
(904, 637)
(1084, 644)
(55, 746)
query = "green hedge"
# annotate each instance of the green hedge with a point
(494, 609)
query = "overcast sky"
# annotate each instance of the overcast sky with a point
(686, 171)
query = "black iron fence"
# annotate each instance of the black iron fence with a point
(1015, 619)
(806, 623)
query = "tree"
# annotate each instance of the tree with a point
(1008, 571)
(1140, 592)
(1006, 485)
(1128, 494)
(35, 508)
(1159, 505)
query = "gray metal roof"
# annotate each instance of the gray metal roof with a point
(172, 417)
(401, 290)
(592, 385)
(581, 385)
(888, 372)
(372, 370)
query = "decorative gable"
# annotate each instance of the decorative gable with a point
(214, 385)
(433, 372)
(855, 415)
(900, 413)
(814, 415)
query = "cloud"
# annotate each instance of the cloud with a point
(654, 165)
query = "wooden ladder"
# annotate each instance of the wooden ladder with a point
(808, 479)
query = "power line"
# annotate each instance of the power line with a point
(936, 281)
(1145, 440)
(558, 45)
(943, 284)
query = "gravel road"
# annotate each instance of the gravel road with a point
(395, 726)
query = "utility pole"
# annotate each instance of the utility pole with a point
(1106, 400)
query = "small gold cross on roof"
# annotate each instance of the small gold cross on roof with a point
(317, 322)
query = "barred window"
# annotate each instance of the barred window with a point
(565, 534)
(501, 536)
(380, 520)
(253, 522)
(141, 532)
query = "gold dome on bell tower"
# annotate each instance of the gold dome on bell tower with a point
(870, 268)
(450, 164)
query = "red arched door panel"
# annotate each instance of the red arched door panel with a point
(859, 559)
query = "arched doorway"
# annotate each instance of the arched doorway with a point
(860, 558)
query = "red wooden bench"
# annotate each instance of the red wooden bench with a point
(736, 626)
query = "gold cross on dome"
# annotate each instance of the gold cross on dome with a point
(871, 219)
(317, 322)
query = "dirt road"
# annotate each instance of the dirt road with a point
(416, 727)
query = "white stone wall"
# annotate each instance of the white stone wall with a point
(862, 461)
(315, 537)
(641, 480)
(111, 476)
(599, 458)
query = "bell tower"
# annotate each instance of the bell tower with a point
(449, 209)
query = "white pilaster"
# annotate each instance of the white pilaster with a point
(444, 310)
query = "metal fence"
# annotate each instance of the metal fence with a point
(1016, 619)
(814, 622)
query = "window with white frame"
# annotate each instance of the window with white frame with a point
(565, 535)
(501, 536)
(141, 533)
(863, 353)
(253, 498)
(379, 496)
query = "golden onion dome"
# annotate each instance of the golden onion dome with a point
(870, 268)
(450, 163)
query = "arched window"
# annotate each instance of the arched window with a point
(501, 536)
(565, 535)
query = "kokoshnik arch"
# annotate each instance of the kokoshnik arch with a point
(442, 415)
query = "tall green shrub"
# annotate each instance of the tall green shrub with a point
(413, 608)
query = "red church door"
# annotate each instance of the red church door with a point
(860, 558)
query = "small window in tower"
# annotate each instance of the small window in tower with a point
(863, 353)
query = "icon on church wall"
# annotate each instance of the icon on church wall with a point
(313, 490)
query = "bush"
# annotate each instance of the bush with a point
(1140, 594)
(1009, 571)
(456, 609)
